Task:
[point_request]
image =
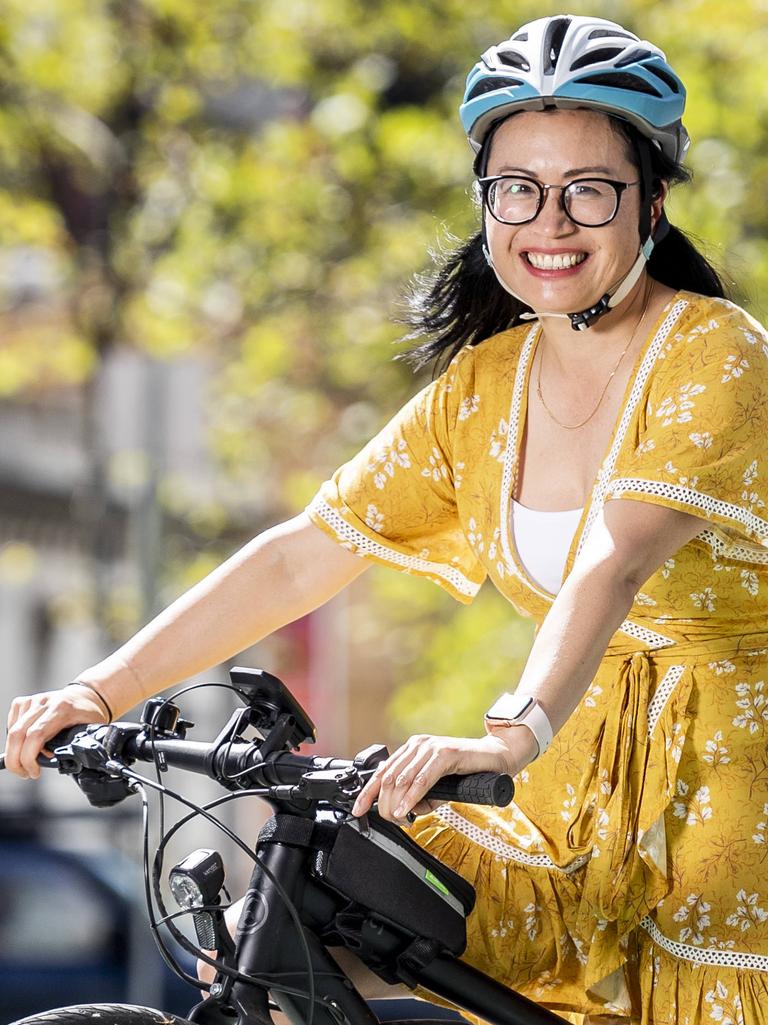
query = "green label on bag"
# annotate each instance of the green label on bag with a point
(434, 881)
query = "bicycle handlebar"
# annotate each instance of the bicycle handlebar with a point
(240, 765)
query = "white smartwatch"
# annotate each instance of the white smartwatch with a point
(520, 710)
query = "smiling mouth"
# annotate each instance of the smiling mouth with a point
(555, 261)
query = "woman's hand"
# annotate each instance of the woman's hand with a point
(400, 783)
(35, 718)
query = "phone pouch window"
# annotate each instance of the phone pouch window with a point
(375, 864)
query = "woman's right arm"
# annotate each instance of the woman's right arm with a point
(278, 577)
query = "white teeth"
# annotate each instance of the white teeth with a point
(558, 261)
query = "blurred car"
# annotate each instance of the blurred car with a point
(73, 929)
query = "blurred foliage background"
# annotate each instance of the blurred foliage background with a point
(257, 180)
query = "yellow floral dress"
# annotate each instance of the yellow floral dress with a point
(629, 875)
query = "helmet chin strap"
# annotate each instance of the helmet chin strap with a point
(584, 319)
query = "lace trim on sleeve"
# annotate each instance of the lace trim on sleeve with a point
(726, 549)
(687, 496)
(364, 545)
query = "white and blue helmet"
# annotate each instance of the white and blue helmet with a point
(568, 61)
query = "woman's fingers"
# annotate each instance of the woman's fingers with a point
(422, 780)
(380, 785)
(22, 718)
(400, 779)
(399, 783)
(33, 720)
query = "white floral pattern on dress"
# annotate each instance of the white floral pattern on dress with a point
(705, 599)
(532, 910)
(733, 367)
(725, 1010)
(715, 752)
(437, 469)
(676, 742)
(723, 666)
(475, 537)
(546, 982)
(748, 912)
(752, 701)
(750, 582)
(695, 914)
(701, 439)
(590, 698)
(374, 519)
(759, 835)
(386, 461)
(678, 410)
(468, 407)
(694, 809)
(498, 441)
(569, 803)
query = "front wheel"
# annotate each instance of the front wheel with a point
(103, 1014)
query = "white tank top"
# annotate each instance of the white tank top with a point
(543, 540)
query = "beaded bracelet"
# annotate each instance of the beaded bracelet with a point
(102, 699)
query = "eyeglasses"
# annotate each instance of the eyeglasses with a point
(588, 202)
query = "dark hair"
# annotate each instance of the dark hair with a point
(460, 302)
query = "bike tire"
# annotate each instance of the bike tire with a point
(103, 1014)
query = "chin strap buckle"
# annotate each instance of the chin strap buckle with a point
(586, 318)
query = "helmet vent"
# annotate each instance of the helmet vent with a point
(596, 56)
(673, 84)
(553, 42)
(617, 80)
(633, 57)
(490, 85)
(513, 59)
(610, 33)
(521, 37)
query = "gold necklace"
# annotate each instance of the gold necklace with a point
(575, 427)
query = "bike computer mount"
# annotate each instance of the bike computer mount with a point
(273, 710)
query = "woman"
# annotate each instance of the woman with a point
(603, 465)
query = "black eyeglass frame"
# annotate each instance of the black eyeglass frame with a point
(619, 188)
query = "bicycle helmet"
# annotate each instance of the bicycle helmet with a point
(570, 61)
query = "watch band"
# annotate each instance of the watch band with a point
(520, 710)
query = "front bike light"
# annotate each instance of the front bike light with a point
(196, 881)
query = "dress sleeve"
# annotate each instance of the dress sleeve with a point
(395, 501)
(700, 443)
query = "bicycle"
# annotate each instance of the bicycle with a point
(321, 878)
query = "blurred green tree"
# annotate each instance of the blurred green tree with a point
(257, 179)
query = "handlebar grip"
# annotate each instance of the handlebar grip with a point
(60, 739)
(494, 788)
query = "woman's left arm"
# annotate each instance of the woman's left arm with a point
(626, 545)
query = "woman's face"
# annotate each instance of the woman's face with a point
(556, 147)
